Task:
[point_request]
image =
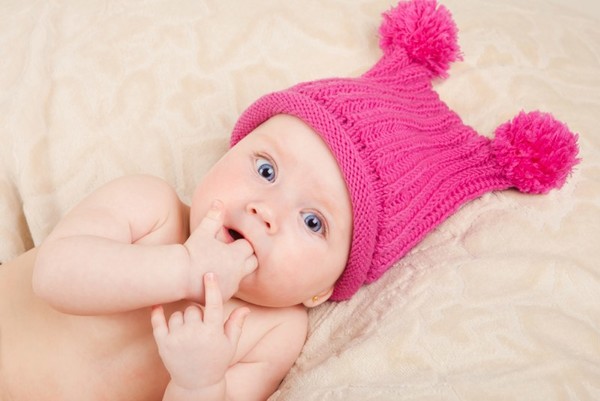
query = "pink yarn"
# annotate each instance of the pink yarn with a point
(408, 160)
(425, 31)
(536, 152)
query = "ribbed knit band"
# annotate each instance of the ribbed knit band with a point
(365, 210)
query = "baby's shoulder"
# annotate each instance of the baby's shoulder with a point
(289, 321)
(150, 205)
(132, 193)
(273, 335)
(141, 185)
(290, 318)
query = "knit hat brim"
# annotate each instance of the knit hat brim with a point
(351, 164)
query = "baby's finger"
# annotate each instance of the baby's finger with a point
(192, 314)
(176, 320)
(213, 305)
(235, 323)
(213, 221)
(250, 264)
(159, 323)
(242, 247)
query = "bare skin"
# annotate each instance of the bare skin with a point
(112, 357)
(108, 308)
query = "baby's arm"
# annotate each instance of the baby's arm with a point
(197, 350)
(126, 246)
(92, 261)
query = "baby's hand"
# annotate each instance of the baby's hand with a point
(231, 262)
(196, 347)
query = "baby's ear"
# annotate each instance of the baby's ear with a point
(318, 299)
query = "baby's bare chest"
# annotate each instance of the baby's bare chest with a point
(46, 355)
(45, 359)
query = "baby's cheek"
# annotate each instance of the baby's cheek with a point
(266, 259)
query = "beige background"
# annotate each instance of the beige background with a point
(499, 303)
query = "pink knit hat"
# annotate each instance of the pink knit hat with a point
(408, 160)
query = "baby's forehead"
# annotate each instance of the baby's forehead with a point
(291, 141)
(284, 134)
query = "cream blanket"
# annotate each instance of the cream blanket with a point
(500, 303)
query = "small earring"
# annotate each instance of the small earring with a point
(315, 299)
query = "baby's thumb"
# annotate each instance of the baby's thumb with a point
(213, 221)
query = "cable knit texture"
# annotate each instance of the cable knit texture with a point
(408, 160)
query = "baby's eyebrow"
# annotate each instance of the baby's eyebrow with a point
(327, 206)
(274, 146)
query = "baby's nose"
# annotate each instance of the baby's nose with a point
(265, 214)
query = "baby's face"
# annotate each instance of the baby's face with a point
(283, 191)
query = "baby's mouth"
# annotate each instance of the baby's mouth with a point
(234, 234)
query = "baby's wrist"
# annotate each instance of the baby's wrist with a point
(182, 270)
(192, 286)
(215, 391)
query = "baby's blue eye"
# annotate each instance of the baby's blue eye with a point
(313, 222)
(265, 169)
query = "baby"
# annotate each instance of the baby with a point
(83, 331)
(136, 296)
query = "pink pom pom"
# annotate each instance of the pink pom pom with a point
(536, 152)
(426, 31)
